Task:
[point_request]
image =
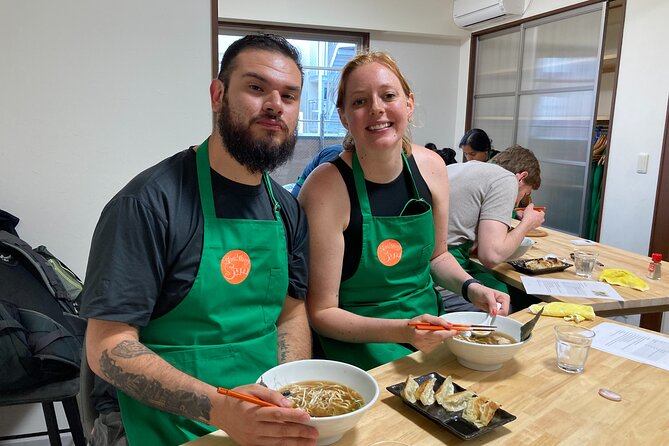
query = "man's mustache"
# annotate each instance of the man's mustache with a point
(278, 119)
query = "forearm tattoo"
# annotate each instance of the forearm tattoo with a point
(150, 390)
(282, 345)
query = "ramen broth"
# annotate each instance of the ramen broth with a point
(323, 398)
(496, 338)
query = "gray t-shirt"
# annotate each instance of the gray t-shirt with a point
(478, 191)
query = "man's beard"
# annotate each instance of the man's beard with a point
(257, 154)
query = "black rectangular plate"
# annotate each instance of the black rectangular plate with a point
(452, 421)
(519, 265)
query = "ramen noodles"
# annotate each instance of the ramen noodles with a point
(323, 398)
(495, 338)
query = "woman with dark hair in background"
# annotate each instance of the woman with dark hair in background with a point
(477, 146)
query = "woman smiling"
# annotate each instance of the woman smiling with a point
(378, 219)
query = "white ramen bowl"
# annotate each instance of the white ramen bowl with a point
(330, 429)
(525, 246)
(484, 357)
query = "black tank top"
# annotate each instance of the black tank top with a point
(384, 199)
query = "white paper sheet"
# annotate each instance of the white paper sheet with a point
(569, 288)
(631, 343)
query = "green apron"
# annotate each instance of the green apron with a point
(224, 331)
(393, 278)
(461, 254)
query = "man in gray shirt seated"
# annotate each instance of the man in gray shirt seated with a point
(481, 200)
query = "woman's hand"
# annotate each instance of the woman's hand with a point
(486, 298)
(428, 340)
(250, 424)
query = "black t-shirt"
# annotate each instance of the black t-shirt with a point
(147, 245)
(384, 200)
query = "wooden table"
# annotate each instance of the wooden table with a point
(552, 407)
(647, 303)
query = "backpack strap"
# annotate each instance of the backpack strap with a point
(40, 264)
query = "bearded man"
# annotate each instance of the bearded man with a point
(198, 269)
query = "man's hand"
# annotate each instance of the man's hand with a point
(530, 218)
(250, 424)
(486, 298)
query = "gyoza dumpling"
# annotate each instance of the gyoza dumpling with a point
(445, 389)
(480, 411)
(409, 390)
(457, 401)
(425, 392)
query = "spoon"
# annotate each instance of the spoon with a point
(490, 320)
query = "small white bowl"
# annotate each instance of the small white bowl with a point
(330, 429)
(484, 357)
(525, 246)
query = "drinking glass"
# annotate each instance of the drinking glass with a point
(584, 263)
(572, 344)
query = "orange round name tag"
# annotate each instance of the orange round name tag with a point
(389, 252)
(235, 266)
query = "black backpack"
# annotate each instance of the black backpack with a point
(41, 334)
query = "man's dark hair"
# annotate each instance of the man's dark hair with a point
(266, 42)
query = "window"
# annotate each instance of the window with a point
(323, 55)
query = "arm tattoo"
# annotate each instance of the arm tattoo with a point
(151, 391)
(282, 344)
(130, 349)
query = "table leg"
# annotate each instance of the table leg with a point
(651, 321)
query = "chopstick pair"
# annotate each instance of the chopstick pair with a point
(457, 327)
(245, 397)
(536, 208)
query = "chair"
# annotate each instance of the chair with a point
(63, 391)
(86, 406)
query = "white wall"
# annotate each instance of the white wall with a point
(90, 94)
(638, 126)
(431, 67)
(419, 17)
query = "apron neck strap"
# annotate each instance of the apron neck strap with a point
(205, 187)
(361, 187)
(204, 180)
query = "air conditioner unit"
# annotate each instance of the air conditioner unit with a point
(471, 12)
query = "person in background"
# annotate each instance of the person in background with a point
(180, 297)
(325, 155)
(482, 197)
(448, 155)
(378, 218)
(477, 146)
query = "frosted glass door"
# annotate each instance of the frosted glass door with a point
(535, 85)
(556, 111)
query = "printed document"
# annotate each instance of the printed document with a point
(632, 343)
(587, 289)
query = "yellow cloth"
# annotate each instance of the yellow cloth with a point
(624, 278)
(570, 312)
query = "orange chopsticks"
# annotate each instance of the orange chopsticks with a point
(457, 327)
(245, 397)
(536, 208)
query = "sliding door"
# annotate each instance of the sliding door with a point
(536, 85)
